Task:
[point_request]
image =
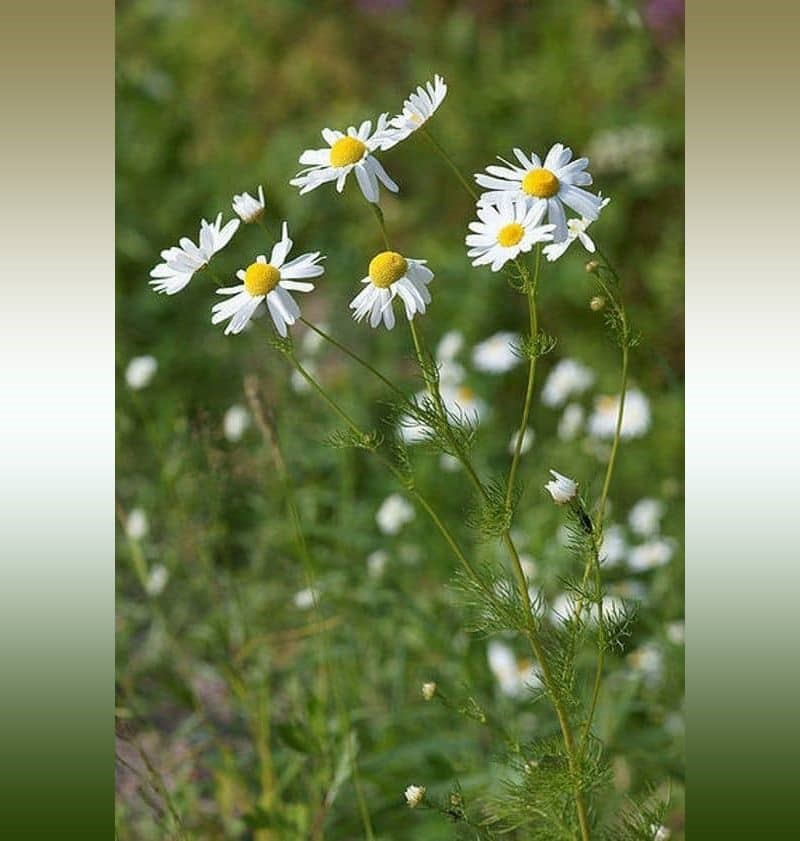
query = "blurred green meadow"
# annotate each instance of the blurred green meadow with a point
(230, 726)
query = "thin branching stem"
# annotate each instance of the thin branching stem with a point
(472, 192)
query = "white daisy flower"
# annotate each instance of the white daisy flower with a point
(414, 795)
(647, 556)
(391, 274)
(248, 208)
(570, 422)
(298, 381)
(545, 186)
(140, 370)
(614, 547)
(515, 677)
(235, 422)
(528, 438)
(157, 580)
(676, 632)
(183, 260)
(305, 598)
(136, 524)
(448, 463)
(462, 404)
(566, 378)
(270, 282)
(496, 354)
(645, 517)
(506, 231)
(648, 661)
(561, 488)
(394, 513)
(576, 230)
(376, 563)
(417, 110)
(635, 417)
(345, 153)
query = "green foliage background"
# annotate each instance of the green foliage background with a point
(227, 720)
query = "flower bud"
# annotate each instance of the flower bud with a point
(597, 303)
(414, 795)
(593, 267)
(561, 488)
(428, 690)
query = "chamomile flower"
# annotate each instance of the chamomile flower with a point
(346, 153)
(561, 488)
(576, 230)
(636, 416)
(390, 274)
(417, 110)
(497, 354)
(506, 231)
(567, 377)
(183, 260)
(140, 370)
(247, 208)
(515, 677)
(546, 186)
(414, 795)
(271, 282)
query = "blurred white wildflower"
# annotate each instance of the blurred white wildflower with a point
(506, 230)
(614, 546)
(136, 524)
(528, 437)
(528, 566)
(391, 275)
(248, 208)
(450, 372)
(633, 149)
(428, 690)
(376, 562)
(462, 403)
(312, 341)
(660, 832)
(346, 153)
(571, 422)
(448, 463)
(414, 795)
(648, 661)
(417, 110)
(449, 345)
(496, 355)
(645, 517)
(567, 377)
(561, 488)
(235, 422)
(140, 370)
(544, 186)
(647, 556)
(305, 598)
(269, 283)
(515, 677)
(157, 580)
(394, 513)
(298, 382)
(635, 417)
(676, 632)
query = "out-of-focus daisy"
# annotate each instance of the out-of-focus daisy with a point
(448, 463)
(140, 370)
(417, 110)
(515, 677)
(676, 632)
(463, 404)
(660, 832)
(376, 562)
(528, 438)
(505, 231)
(576, 230)
(271, 282)
(570, 422)
(428, 690)
(183, 260)
(248, 208)
(547, 186)
(647, 556)
(235, 422)
(496, 355)
(414, 795)
(561, 488)
(299, 382)
(346, 153)
(390, 274)
(136, 524)
(566, 378)
(305, 598)
(614, 547)
(312, 341)
(449, 345)
(648, 661)
(635, 417)
(394, 513)
(645, 517)
(157, 580)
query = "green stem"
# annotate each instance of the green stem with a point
(382, 223)
(472, 192)
(534, 329)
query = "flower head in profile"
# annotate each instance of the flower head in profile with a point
(391, 275)
(505, 231)
(414, 795)
(269, 282)
(344, 154)
(417, 110)
(183, 260)
(248, 208)
(547, 186)
(576, 230)
(561, 488)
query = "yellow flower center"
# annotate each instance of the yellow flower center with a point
(261, 278)
(347, 150)
(465, 393)
(540, 183)
(510, 234)
(387, 268)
